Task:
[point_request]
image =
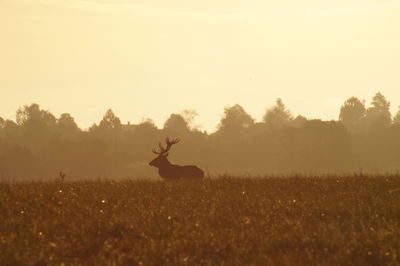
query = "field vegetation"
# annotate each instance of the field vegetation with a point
(331, 220)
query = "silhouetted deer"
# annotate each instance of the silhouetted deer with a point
(171, 171)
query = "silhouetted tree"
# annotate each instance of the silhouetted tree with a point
(10, 134)
(232, 135)
(145, 134)
(40, 145)
(147, 125)
(66, 127)
(10, 127)
(322, 146)
(278, 115)
(67, 122)
(109, 127)
(378, 115)
(110, 121)
(372, 150)
(176, 125)
(189, 115)
(32, 115)
(37, 125)
(299, 121)
(352, 113)
(396, 118)
(235, 119)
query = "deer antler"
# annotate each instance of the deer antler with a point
(156, 152)
(169, 145)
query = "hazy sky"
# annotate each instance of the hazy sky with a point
(151, 58)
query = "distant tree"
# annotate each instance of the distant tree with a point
(323, 146)
(10, 128)
(66, 121)
(147, 124)
(9, 124)
(146, 130)
(41, 145)
(93, 128)
(299, 121)
(189, 115)
(378, 115)
(233, 135)
(278, 115)
(176, 124)
(110, 121)
(142, 138)
(35, 125)
(66, 127)
(396, 118)
(32, 115)
(235, 119)
(352, 111)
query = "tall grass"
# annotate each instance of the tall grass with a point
(233, 221)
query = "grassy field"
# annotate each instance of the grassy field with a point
(224, 221)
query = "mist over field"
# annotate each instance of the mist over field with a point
(365, 138)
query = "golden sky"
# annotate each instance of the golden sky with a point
(151, 58)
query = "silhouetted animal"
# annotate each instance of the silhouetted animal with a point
(61, 179)
(171, 171)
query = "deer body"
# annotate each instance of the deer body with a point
(179, 171)
(171, 171)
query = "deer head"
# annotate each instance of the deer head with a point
(161, 159)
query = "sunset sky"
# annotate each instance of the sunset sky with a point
(151, 58)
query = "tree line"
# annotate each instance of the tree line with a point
(37, 145)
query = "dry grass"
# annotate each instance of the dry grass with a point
(231, 221)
